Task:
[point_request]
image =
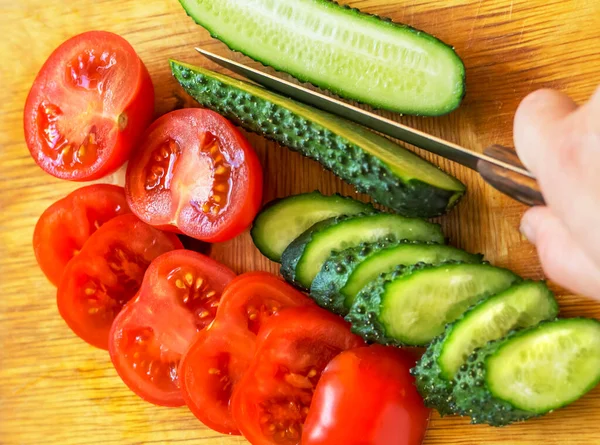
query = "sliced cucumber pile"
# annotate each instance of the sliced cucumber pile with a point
(521, 306)
(347, 272)
(283, 220)
(530, 372)
(303, 258)
(412, 305)
(390, 174)
(358, 56)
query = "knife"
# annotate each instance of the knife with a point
(499, 166)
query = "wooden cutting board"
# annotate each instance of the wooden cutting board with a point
(55, 389)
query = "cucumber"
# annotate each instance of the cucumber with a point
(521, 306)
(412, 305)
(389, 173)
(336, 291)
(283, 220)
(303, 258)
(358, 56)
(530, 372)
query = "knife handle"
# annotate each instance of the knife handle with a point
(515, 185)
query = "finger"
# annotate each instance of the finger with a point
(562, 259)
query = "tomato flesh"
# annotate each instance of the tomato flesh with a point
(66, 225)
(107, 273)
(88, 107)
(272, 400)
(219, 356)
(195, 173)
(178, 298)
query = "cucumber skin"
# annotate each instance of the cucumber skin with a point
(367, 173)
(338, 91)
(256, 238)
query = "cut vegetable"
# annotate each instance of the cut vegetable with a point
(531, 372)
(283, 220)
(412, 305)
(336, 290)
(304, 257)
(521, 306)
(358, 56)
(392, 175)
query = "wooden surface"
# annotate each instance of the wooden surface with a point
(54, 389)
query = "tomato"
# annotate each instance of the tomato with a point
(220, 355)
(366, 396)
(65, 226)
(88, 107)
(107, 273)
(271, 401)
(178, 298)
(195, 173)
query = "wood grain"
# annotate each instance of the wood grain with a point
(55, 389)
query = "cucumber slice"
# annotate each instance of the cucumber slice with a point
(412, 305)
(336, 291)
(389, 173)
(283, 220)
(355, 55)
(531, 372)
(304, 257)
(521, 306)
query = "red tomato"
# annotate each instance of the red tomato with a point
(107, 273)
(270, 403)
(88, 107)
(366, 396)
(65, 226)
(195, 173)
(178, 298)
(220, 355)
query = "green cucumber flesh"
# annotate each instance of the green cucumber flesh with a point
(412, 305)
(390, 174)
(358, 56)
(283, 220)
(303, 258)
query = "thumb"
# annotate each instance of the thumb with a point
(562, 259)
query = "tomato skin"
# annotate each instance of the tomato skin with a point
(71, 98)
(270, 403)
(107, 273)
(366, 396)
(196, 174)
(177, 300)
(225, 350)
(66, 225)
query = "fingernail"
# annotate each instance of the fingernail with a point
(527, 229)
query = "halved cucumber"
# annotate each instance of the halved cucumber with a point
(335, 287)
(531, 372)
(522, 305)
(412, 305)
(283, 220)
(304, 257)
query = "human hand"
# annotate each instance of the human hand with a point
(559, 142)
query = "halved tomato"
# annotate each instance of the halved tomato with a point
(107, 273)
(66, 225)
(178, 298)
(88, 107)
(195, 173)
(220, 355)
(271, 401)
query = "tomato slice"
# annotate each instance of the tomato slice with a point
(271, 401)
(107, 273)
(88, 107)
(372, 390)
(178, 298)
(220, 355)
(195, 173)
(66, 225)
